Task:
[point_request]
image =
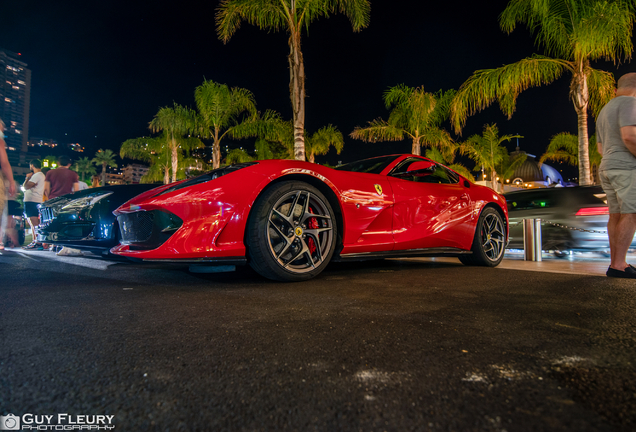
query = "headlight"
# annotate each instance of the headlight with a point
(86, 201)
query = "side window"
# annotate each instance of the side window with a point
(436, 174)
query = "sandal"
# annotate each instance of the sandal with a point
(33, 245)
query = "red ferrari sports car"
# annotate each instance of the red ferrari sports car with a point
(288, 219)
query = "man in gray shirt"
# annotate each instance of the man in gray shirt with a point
(616, 138)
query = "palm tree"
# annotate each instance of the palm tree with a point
(415, 114)
(152, 151)
(263, 150)
(320, 142)
(564, 147)
(157, 153)
(508, 165)
(486, 150)
(276, 138)
(437, 156)
(573, 33)
(85, 166)
(176, 122)
(238, 156)
(105, 158)
(220, 109)
(293, 16)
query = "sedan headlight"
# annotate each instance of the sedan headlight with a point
(86, 201)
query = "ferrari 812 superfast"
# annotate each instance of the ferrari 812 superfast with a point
(288, 219)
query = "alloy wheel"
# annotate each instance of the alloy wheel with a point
(300, 231)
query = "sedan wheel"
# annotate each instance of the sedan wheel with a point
(489, 242)
(291, 232)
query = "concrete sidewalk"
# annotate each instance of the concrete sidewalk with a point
(579, 263)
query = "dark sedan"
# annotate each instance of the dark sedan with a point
(572, 218)
(84, 219)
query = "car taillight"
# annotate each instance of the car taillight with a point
(593, 211)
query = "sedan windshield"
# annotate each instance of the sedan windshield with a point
(369, 166)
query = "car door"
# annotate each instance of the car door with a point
(367, 205)
(432, 208)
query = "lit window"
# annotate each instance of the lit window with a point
(21, 82)
(18, 131)
(16, 88)
(7, 100)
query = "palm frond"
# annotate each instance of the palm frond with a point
(463, 171)
(265, 14)
(435, 155)
(323, 139)
(601, 86)
(504, 85)
(378, 130)
(563, 147)
(263, 150)
(603, 30)
(238, 156)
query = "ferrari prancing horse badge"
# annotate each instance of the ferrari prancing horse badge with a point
(378, 189)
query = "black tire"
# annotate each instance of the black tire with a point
(490, 240)
(291, 232)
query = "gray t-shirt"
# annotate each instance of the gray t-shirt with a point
(619, 112)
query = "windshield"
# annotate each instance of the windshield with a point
(369, 166)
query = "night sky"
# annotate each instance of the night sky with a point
(101, 70)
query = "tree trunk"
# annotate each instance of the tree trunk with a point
(175, 159)
(166, 175)
(312, 158)
(216, 152)
(580, 98)
(297, 91)
(416, 148)
(493, 180)
(103, 174)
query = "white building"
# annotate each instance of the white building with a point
(132, 173)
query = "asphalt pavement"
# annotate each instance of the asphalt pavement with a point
(395, 345)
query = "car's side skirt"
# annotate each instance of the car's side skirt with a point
(428, 252)
(212, 261)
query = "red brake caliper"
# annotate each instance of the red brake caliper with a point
(312, 223)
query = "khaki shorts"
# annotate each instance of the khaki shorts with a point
(620, 187)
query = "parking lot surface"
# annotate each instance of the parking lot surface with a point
(396, 345)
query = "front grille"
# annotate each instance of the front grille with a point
(136, 227)
(46, 215)
(144, 230)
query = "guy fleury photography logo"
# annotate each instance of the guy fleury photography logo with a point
(57, 422)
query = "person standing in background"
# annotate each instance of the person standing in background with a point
(33, 192)
(61, 180)
(616, 141)
(7, 184)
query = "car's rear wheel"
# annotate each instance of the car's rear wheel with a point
(489, 242)
(291, 233)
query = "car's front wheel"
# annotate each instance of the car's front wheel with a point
(291, 233)
(490, 240)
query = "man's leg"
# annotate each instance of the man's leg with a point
(620, 239)
(34, 222)
(611, 233)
